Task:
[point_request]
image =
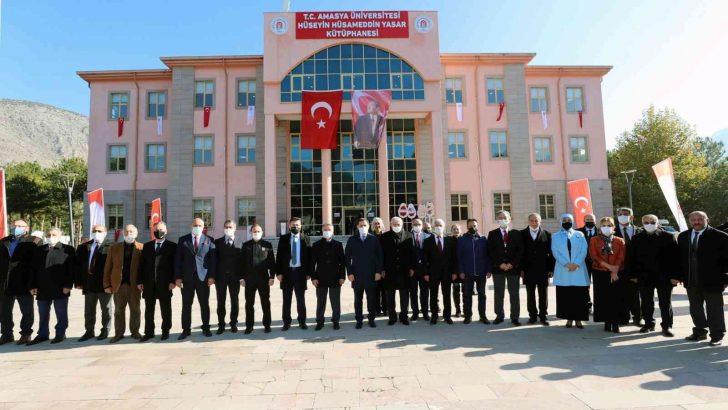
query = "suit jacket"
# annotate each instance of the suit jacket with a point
(538, 260)
(52, 271)
(156, 270)
(621, 234)
(258, 263)
(588, 238)
(440, 266)
(363, 130)
(228, 259)
(188, 263)
(579, 250)
(500, 253)
(15, 271)
(283, 259)
(419, 251)
(115, 265)
(327, 262)
(363, 260)
(654, 258)
(399, 257)
(91, 280)
(712, 258)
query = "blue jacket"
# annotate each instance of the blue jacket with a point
(200, 265)
(579, 251)
(473, 255)
(363, 260)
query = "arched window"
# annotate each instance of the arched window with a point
(353, 67)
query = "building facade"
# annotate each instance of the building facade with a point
(470, 133)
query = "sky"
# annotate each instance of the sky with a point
(665, 53)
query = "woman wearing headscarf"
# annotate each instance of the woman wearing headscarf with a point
(607, 253)
(571, 278)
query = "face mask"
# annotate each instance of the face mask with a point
(426, 230)
(19, 231)
(159, 234)
(472, 231)
(503, 223)
(416, 228)
(328, 234)
(533, 229)
(257, 236)
(396, 229)
(129, 239)
(589, 225)
(196, 230)
(607, 230)
(294, 230)
(53, 240)
(439, 230)
(229, 232)
(567, 225)
(650, 228)
(99, 236)
(363, 230)
(623, 219)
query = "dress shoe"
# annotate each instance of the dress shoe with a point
(319, 326)
(86, 336)
(184, 335)
(545, 322)
(336, 326)
(58, 339)
(267, 329)
(568, 324)
(391, 322)
(667, 333)
(615, 328)
(637, 322)
(466, 320)
(248, 330)
(303, 326)
(207, 333)
(165, 335)
(414, 317)
(696, 338)
(457, 313)
(448, 321)
(404, 321)
(116, 339)
(579, 325)
(498, 321)
(646, 328)
(234, 328)
(6, 340)
(103, 335)
(359, 325)
(485, 321)
(426, 317)
(532, 321)
(433, 321)
(716, 341)
(515, 323)
(24, 340)
(220, 330)
(285, 327)
(38, 339)
(136, 336)
(146, 338)
(372, 323)
(607, 327)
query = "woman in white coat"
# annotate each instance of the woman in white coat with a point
(571, 277)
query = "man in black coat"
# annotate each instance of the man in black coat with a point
(328, 272)
(293, 261)
(51, 282)
(537, 267)
(156, 280)
(364, 266)
(227, 279)
(257, 273)
(418, 284)
(90, 261)
(704, 272)
(505, 249)
(653, 261)
(440, 269)
(626, 230)
(400, 262)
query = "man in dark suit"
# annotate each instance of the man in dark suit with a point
(369, 127)
(293, 261)
(457, 283)
(156, 280)
(378, 230)
(364, 266)
(505, 249)
(400, 263)
(653, 258)
(121, 271)
(328, 273)
(257, 273)
(194, 271)
(626, 230)
(418, 283)
(90, 261)
(589, 230)
(16, 255)
(228, 275)
(51, 282)
(536, 268)
(440, 269)
(704, 272)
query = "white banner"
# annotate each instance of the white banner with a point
(160, 125)
(459, 111)
(666, 179)
(251, 115)
(96, 209)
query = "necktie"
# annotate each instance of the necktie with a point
(694, 244)
(93, 257)
(417, 240)
(294, 252)
(156, 247)
(439, 244)
(363, 237)
(505, 237)
(197, 247)
(229, 242)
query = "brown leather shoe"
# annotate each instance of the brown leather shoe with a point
(116, 339)
(136, 336)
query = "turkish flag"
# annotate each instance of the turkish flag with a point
(581, 119)
(580, 197)
(501, 106)
(96, 209)
(320, 113)
(120, 127)
(155, 214)
(206, 117)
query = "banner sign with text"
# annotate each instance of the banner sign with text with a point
(352, 24)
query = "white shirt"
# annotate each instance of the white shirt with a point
(533, 233)
(696, 238)
(627, 230)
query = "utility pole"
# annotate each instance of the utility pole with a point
(69, 181)
(629, 176)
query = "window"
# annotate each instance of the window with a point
(495, 90)
(246, 212)
(454, 90)
(456, 144)
(148, 214)
(539, 100)
(501, 202)
(498, 144)
(204, 93)
(401, 164)
(574, 99)
(119, 106)
(542, 149)
(459, 207)
(203, 210)
(156, 104)
(546, 206)
(246, 149)
(579, 149)
(115, 218)
(155, 157)
(203, 150)
(246, 93)
(305, 183)
(117, 158)
(353, 67)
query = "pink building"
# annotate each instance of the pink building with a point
(444, 143)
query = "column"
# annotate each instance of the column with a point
(383, 180)
(181, 148)
(269, 156)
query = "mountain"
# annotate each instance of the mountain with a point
(31, 131)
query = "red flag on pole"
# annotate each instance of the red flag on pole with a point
(320, 113)
(501, 106)
(96, 209)
(580, 197)
(3, 206)
(206, 117)
(581, 119)
(119, 126)
(155, 214)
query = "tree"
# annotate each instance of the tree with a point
(714, 193)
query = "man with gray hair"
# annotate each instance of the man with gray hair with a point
(156, 280)
(120, 279)
(90, 261)
(400, 262)
(505, 249)
(440, 269)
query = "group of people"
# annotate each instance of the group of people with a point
(625, 264)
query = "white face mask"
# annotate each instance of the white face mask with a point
(363, 230)
(397, 229)
(53, 240)
(650, 228)
(439, 230)
(129, 239)
(416, 228)
(99, 236)
(623, 219)
(503, 223)
(196, 230)
(328, 234)
(257, 236)
(607, 230)
(533, 229)
(229, 232)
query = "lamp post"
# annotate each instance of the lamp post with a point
(69, 180)
(629, 176)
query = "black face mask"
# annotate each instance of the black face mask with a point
(472, 231)
(160, 234)
(294, 230)
(567, 225)
(589, 225)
